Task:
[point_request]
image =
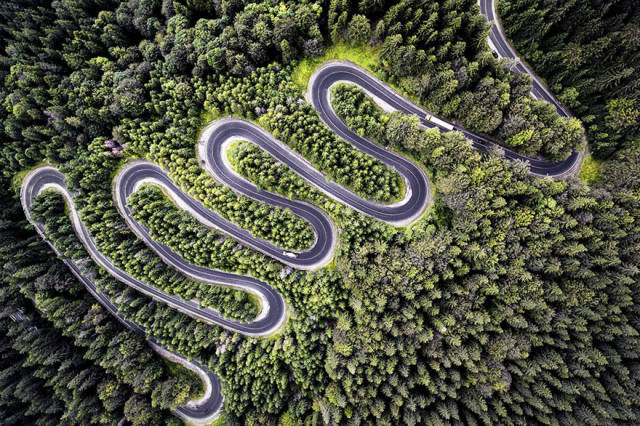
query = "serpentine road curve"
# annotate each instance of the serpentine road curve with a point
(335, 72)
(212, 154)
(201, 411)
(499, 43)
(401, 213)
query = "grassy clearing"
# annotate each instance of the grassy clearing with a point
(365, 56)
(16, 181)
(209, 115)
(590, 171)
(255, 301)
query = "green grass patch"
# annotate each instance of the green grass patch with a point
(255, 301)
(16, 181)
(365, 56)
(208, 115)
(590, 171)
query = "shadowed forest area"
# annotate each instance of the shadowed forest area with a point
(589, 53)
(512, 300)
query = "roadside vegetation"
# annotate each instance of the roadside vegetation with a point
(259, 167)
(141, 263)
(63, 354)
(207, 247)
(269, 96)
(591, 170)
(186, 375)
(368, 57)
(436, 53)
(486, 225)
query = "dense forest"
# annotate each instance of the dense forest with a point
(589, 52)
(512, 300)
(64, 357)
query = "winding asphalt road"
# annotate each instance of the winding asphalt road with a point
(401, 213)
(500, 44)
(201, 411)
(137, 173)
(212, 154)
(335, 72)
(270, 319)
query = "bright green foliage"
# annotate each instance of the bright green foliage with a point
(521, 138)
(359, 30)
(365, 56)
(360, 114)
(591, 171)
(483, 317)
(436, 51)
(259, 167)
(65, 358)
(544, 132)
(269, 96)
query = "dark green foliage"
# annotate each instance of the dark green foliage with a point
(69, 360)
(358, 111)
(513, 301)
(269, 96)
(622, 173)
(259, 167)
(588, 51)
(436, 51)
(502, 309)
(359, 30)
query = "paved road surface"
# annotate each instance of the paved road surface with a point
(401, 213)
(499, 42)
(341, 71)
(211, 150)
(202, 411)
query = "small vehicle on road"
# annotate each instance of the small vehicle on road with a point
(289, 254)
